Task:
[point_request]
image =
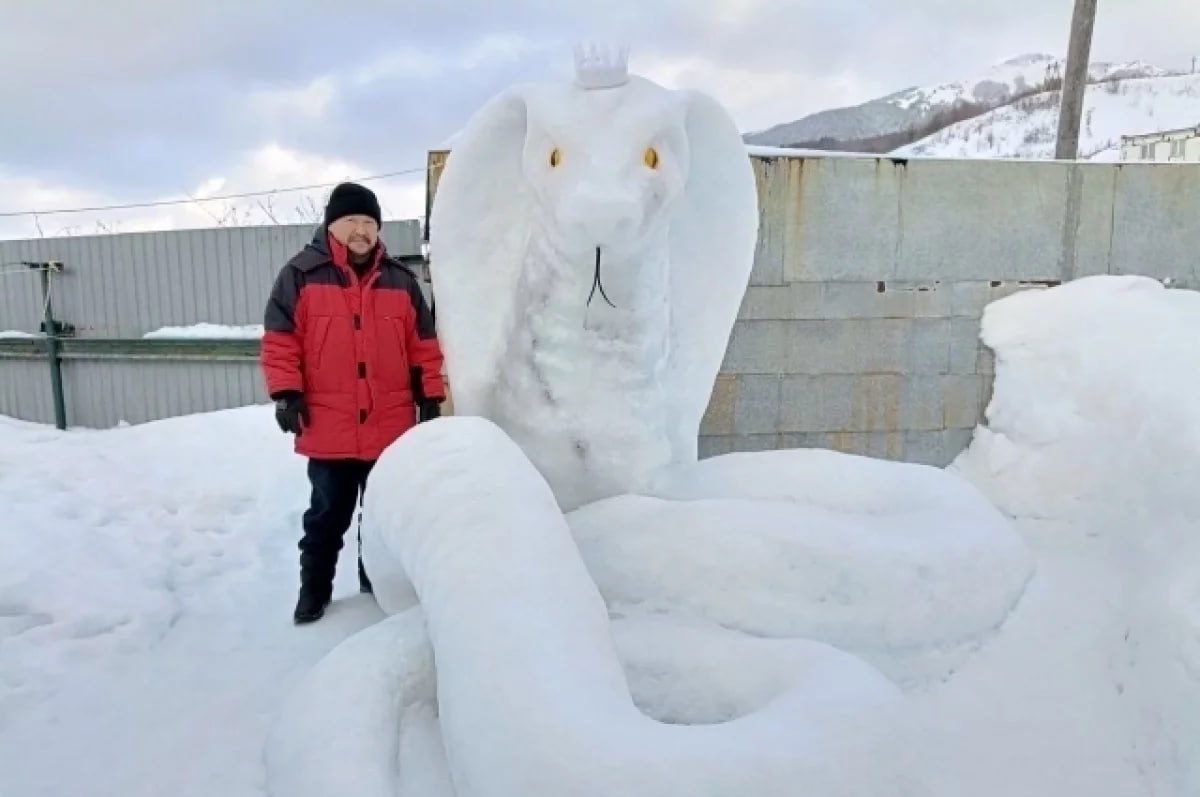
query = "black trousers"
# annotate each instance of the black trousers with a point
(337, 489)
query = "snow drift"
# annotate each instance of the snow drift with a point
(1093, 422)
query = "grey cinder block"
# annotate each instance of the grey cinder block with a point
(929, 347)
(926, 447)
(1005, 220)
(718, 416)
(714, 445)
(756, 410)
(844, 219)
(848, 346)
(962, 400)
(871, 299)
(954, 442)
(964, 346)
(815, 403)
(860, 403)
(757, 347)
(750, 442)
(986, 363)
(773, 208)
(799, 300)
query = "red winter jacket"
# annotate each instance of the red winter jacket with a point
(347, 345)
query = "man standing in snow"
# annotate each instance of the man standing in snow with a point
(352, 361)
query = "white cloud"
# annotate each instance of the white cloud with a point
(428, 63)
(310, 100)
(737, 12)
(757, 98)
(270, 166)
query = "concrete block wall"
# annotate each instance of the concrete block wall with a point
(887, 369)
(860, 328)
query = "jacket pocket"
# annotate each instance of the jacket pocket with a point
(317, 364)
(392, 358)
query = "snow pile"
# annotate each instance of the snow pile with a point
(1026, 128)
(1087, 397)
(16, 333)
(103, 536)
(1093, 428)
(207, 331)
(147, 577)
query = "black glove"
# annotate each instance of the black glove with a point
(428, 410)
(291, 413)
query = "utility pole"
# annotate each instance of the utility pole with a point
(1079, 52)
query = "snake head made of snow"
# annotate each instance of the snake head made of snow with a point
(654, 180)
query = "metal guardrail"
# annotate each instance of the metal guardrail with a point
(130, 349)
(55, 351)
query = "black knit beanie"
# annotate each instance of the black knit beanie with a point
(350, 199)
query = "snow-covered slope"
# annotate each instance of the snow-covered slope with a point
(1026, 129)
(916, 106)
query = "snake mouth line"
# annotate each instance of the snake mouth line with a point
(596, 283)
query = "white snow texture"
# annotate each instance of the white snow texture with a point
(207, 331)
(745, 554)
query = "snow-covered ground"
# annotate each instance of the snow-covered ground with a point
(207, 331)
(1026, 128)
(147, 576)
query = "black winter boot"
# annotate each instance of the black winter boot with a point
(311, 604)
(316, 589)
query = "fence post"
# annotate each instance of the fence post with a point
(50, 329)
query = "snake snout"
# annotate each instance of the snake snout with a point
(600, 218)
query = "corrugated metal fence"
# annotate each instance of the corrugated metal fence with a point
(121, 287)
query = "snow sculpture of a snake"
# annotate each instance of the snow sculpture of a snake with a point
(740, 625)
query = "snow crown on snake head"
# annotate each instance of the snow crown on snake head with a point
(547, 180)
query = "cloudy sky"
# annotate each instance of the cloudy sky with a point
(149, 100)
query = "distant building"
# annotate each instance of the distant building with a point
(1165, 146)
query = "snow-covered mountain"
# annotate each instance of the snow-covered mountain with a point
(1027, 128)
(915, 108)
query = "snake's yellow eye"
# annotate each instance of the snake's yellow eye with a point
(651, 157)
(555, 157)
